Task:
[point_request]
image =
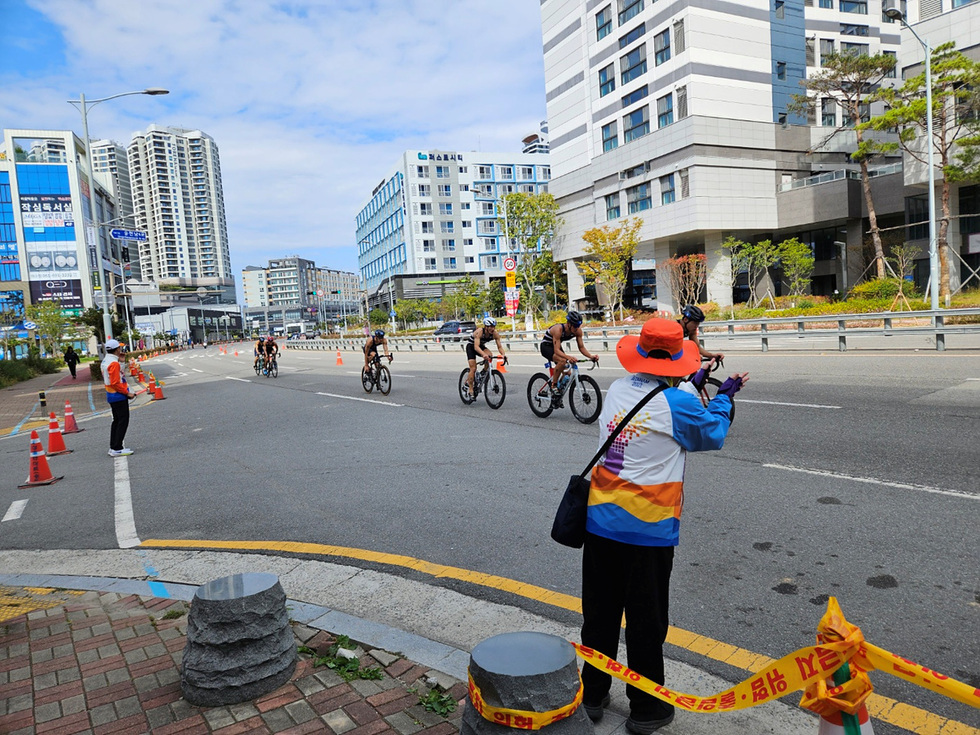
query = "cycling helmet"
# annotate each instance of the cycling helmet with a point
(574, 318)
(270, 338)
(693, 313)
(379, 333)
(489, 322)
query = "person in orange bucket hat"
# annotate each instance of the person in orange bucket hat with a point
(634, 510)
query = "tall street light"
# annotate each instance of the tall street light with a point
(896, 14)
(83, 105)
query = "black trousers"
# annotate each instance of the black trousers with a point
(622, 578)
(120, 422)
(71, 368)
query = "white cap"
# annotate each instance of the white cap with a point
(112, 344)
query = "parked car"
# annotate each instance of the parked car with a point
(454, 330)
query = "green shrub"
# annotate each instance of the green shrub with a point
(42, 365)
(14, 371)
(881, 288)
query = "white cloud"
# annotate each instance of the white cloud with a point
(310, 103)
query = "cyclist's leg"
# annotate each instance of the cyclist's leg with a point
(548, 353)
(471, 360)
(559, 369)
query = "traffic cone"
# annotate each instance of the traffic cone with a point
(158, 392)
(71, 426)
(236, 353)
(501, 367)
(56, 442)
(39, 473)
(152, 383)
(834, 724)
(340, 360)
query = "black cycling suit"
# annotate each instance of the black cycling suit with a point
(484, 339)
(372, 345)
(271, 349)
(548, 342)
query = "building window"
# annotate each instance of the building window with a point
(850, 29)
(449, 262)
(442, 172)
(628, 9)
(638, 198)
(827, 4)
(612, 206)
(635, 96)
(828, 113)
(425, 208)
(610, 138)
(445, 208)
(428, 227)
(903, 6)
(811, 53)
(636, 124)
(681, 93)
(667, 189)
(685, 183)
(603, 23)
(680, 42)
(422, 172)
(661, 46)
(633, 64)
(894, 57)
(423, 190)
(487, 209)
(780, 10)
(447, 227)
(545, 173)
(854, 6)
(633, 35)
(484, 172)
(445, 190)
(428, 246)
(526, 172)
(430, 264)
(505, 172)
(826, 49)
(855, 49)
(781, 70)
(665, 111)
(607, 80)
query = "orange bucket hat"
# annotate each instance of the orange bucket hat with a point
(660, 349)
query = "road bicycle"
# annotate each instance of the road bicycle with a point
(376, 374)
(487, 381)
(584, 396)
(270, 368)
(709, 388)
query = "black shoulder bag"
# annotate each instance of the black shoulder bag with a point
(569, 526)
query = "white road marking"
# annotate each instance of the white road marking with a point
(241, 380)
(196, 370)
(874, 481)
(780, 403)
(125, 522)
(365, 400)
(15, 511)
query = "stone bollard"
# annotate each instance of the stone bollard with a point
(529, 674)
(239, 641)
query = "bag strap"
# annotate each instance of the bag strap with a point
(622, 425)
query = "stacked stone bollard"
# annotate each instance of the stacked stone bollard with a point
(239, 641)
(515, 678)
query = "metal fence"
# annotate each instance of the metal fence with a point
(777, 331)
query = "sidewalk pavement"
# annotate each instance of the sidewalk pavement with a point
(105, 662)
(20, 405)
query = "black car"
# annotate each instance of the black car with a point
(455, 330)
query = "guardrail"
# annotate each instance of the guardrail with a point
(934, 323)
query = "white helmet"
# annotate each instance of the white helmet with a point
(489, 322)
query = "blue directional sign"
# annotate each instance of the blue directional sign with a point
(128, 235)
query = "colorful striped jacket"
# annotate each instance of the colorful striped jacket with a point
(637, 489)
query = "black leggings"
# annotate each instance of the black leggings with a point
(120, 422)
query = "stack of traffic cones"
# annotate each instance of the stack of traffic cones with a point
(340, 360)
(39, 473)
(56, 442)
(71, 426)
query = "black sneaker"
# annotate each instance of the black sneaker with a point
(595, 711)
(647, 726)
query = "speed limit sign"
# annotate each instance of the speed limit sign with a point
(510, 264)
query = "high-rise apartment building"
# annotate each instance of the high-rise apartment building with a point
(433, 218)
(677, 112)
(297, 283)
(109, 158)
(178, 201)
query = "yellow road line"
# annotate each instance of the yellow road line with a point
(882, 708)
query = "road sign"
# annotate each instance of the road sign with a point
(511, 279)
(392, 313)
(510, 264)
(319, 292)
(128, 235)
(29, 325)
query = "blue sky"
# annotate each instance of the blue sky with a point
(310, 102)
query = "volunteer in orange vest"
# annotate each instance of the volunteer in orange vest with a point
(118, 395)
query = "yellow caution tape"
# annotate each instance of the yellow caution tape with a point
(521, 719)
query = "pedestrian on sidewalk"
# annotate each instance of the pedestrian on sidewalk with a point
(71, 360)
(635, 507)
(118, 395)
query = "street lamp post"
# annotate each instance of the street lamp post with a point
(896, 14)
(82, 106)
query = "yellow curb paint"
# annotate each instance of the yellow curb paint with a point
(882, 708)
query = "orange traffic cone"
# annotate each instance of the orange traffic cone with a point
(236, 353)
(39, 473)
(158, 392)
(340, 360)
(501, 366)
(71, 426)
(152, 383)
(56, 442)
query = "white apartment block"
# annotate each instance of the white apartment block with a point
(433, 219)
(675, 111)
(178, 201)
(110, 159)
(297, 282)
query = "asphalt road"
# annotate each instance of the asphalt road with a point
(851, 475)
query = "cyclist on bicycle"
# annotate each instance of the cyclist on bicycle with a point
(551, 345)
(270, 350)
(476, 344)
(375, 341)
(258, 349)
(691, 317)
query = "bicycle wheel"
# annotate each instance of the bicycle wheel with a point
(367, 380)
(274, 369)
(585, 399)
(464, 388)
(258, 367)
(710, 390)
(384, 380)
(495, 389)
(540, 402)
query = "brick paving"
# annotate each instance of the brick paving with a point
(108, 664)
